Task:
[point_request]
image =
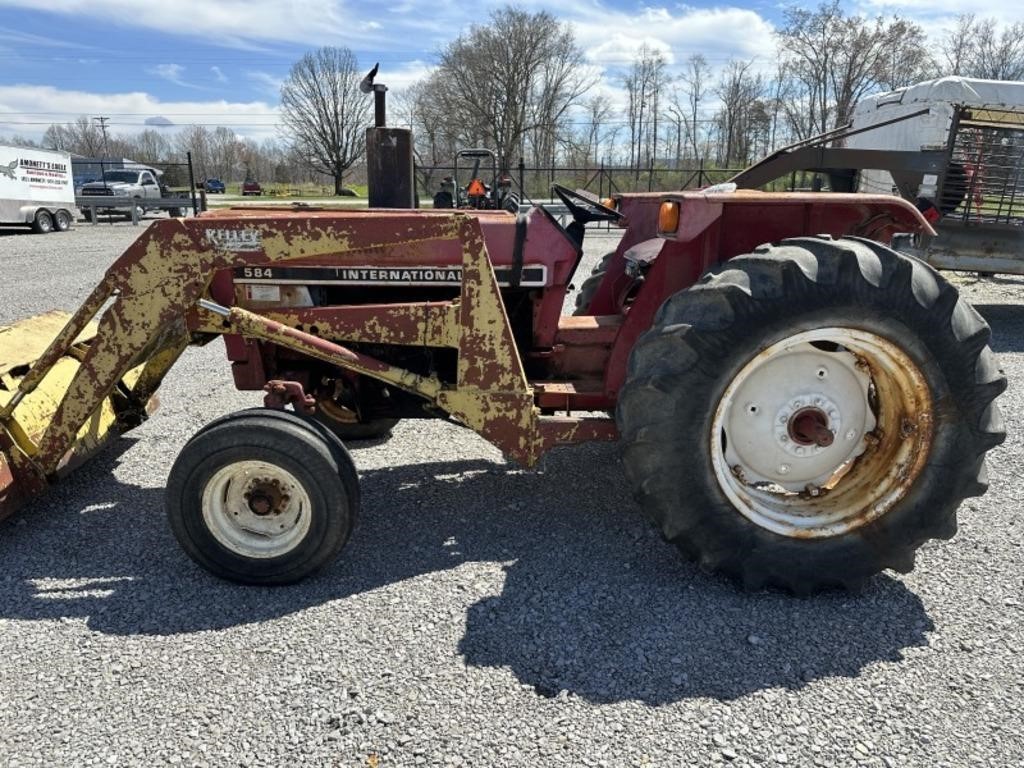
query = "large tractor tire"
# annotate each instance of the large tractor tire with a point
(262, 497)
(808, 415)
(589, 286)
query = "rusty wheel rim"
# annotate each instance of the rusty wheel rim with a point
(256, 509)
(822, 433)
(337, 412)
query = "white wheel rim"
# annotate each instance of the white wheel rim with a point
(863, 390)
(256, 509)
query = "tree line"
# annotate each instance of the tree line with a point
(521, 85)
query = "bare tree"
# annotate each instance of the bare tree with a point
(325, 113)
(225, 149)
(695, 80)
(977, 48)
(838, 58)
(510, 83)
(643, 83)
(82, 137)
(149, 146)
(195, 139)
(743, 120)
(598, 111)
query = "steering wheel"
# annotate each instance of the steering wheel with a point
(583, 209)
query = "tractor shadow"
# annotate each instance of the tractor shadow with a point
(594, 604)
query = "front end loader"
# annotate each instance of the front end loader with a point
(798, 405)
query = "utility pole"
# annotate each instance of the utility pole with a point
(103, 127)
(106, 151)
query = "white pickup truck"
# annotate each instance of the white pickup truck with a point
(36, 189)
(138, 183)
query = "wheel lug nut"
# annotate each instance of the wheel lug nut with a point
(851, 434)
(783, 469)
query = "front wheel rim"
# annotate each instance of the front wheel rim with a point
(256, 509)
(822, 433)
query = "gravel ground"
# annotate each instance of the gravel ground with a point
(481, 615)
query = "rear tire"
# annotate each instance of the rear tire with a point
(723, 366)
(62, 221)
(42, 224)
(262, 497)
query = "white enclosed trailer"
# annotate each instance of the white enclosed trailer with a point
(36, 188)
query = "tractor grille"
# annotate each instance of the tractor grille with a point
(984, 182)
(98, 191)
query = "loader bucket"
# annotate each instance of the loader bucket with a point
(21, 345)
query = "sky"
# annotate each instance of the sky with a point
(221, 62)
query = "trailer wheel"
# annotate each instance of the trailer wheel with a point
(262, 497)
(42, 223)
(62, 220)
(809, 414)
(589, 286)
(345, 423)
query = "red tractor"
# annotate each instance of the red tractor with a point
(798, 405)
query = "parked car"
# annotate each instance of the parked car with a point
(250, 187)
(213, 186)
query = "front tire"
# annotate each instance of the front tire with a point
(810, 414)
(262, 498)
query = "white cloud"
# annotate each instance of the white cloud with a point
(266, 82)
(717, 33)
(218, 74)
(20, 105)
(233, 22)
(170, 72)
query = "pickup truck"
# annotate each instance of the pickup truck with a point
(140, 183)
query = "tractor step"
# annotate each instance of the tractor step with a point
(592, 330)
(569, 396)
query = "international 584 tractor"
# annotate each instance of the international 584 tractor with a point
(797, 404)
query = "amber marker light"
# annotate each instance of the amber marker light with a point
(668, 218)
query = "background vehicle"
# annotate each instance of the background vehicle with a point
(954, 146)
(213, 186)
(36, 189)
(978, 126)
(251, 187)
(138, 183)
(476, 194)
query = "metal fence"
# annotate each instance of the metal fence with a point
(176, 180)
(534, 182)
(984, 182)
